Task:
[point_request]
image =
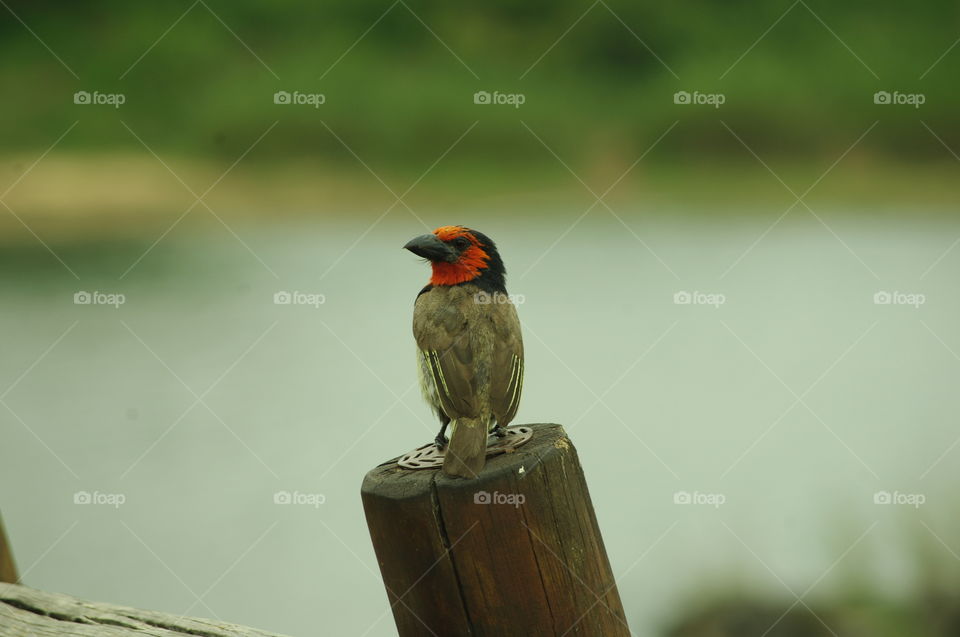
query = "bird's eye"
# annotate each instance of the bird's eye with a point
(461, 243)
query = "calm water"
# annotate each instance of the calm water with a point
(794, 399)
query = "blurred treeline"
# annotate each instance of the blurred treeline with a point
(933, 615)
(922, 602)
(400, 94)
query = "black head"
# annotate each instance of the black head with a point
(460, 255)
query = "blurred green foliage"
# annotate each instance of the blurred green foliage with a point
(398, 93)
(932, 616)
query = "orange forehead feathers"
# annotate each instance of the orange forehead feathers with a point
(449, 233)
(468, 267)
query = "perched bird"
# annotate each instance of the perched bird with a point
(470, 349)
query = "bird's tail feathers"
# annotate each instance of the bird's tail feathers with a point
(467, 449)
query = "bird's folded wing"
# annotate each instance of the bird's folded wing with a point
(506, 381)
(444, 342)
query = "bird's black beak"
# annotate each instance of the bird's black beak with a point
(430, 247)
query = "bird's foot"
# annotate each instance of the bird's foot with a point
(499, 431)
(440, 441)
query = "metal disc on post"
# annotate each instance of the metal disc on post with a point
(429, 456)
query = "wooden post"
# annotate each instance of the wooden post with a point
(515, 552)
(8, 569)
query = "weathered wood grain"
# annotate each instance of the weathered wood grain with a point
(456, 565)
(25, 612)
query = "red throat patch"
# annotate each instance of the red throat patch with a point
(470, 264)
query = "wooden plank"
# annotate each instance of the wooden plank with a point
(515, 552)
(25, 612)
